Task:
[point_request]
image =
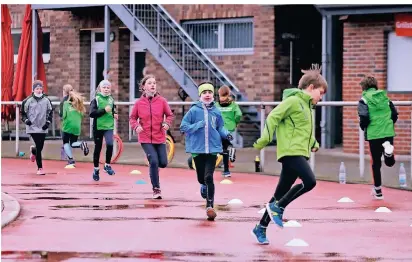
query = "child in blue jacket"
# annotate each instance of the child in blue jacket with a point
(204, 129)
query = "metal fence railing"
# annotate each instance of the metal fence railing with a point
(262, 106)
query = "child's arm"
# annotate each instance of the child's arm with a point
(238, 114)
(49, 114)
(314, 143)
(61, 107)
(394, 112)
(95, 112)
(168, 113)
(220, 124)
(133, 119)
(187, 127)
(363, 113)
(23, 112)
(279, 113)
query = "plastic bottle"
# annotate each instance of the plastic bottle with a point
(402, 176)
(342, 173)
(257, 164)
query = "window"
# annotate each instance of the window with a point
(228, 36)
(399, 63)
(16, 35)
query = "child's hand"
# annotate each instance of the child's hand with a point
(165, 126)
(315, 149)
(116, 116)
(108, 109)
(229, 137)
(139, 129)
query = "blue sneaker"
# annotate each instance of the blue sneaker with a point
(260, 233)
(226, 174)
(109, 170)
(276, 213)
(203, 191)
(96, 175)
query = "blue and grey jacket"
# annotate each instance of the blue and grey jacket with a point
(204, 129)
(37, 113)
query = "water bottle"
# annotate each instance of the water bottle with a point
(257, 164)
(402, 176)
(342, 173)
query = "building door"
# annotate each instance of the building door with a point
(97, 66)
(137, 67)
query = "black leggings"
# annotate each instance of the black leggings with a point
(205, 167)
(38, 139)
(376, 150)
(225, 144)
(292, 168)
(98, 143)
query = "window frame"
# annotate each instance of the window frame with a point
(221, 50)
(46, 56)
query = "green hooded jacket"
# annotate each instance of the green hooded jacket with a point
(293, 122)
(381, 124)
(231, 115)
(72, 119)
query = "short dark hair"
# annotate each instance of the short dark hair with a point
(368, 82)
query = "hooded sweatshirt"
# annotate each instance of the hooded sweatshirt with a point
(292, 120)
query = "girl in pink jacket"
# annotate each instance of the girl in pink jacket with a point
(149, 122)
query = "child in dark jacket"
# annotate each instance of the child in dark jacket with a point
(204, 129)
(377, 118)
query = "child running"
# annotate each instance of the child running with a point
(204, 129)
(37, 114)
(231, 114)
(292, 120)
(151, 117)
(66, 90)
(377, 117)
(72, 116)
(103, 112)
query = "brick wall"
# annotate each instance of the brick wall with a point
(248, 72)
(365, 53)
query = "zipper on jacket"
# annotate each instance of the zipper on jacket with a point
(206, 116)
(151, 125)
(311, 127)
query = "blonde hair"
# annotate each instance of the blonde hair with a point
(67, 88)
(143, 81)
(313, 76)
(77, 101)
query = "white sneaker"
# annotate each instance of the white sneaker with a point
(377, 193)
(388, 148)
(157, 193)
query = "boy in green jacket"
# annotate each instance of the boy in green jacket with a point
(292, 120)
(377, 117)
(231, 114)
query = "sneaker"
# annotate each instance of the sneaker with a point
(232, 154)
(260, 233)
(40, 171)
(211, 213)
(157, 193)
(32, 153)
(377, 193)
(96, 175)
(84, 147)
(276, 213)
(203, 191)
(388, 148)
(71, 162)
(226, 174)
(108, 169)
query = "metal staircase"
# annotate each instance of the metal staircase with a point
(181, 57)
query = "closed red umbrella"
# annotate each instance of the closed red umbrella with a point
(7, 64)
(22, 86)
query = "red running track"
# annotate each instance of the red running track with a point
(66, 215)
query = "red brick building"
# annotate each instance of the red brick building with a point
(258, 62)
